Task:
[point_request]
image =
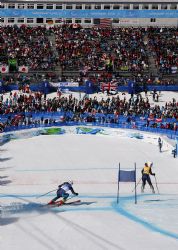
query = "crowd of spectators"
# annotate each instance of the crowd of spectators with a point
(98, 55)
(37, 109)
(101, 54)
(28, 46)
(164, 45)
(21, 79)
(101, 49)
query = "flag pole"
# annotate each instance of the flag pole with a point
(135, 186)
(156, 185)
(118, 184)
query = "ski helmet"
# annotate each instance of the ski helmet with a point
(150, 163)
(70, 182)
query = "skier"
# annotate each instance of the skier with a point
(146, 172)
(174, 152)
(160, 144)
(62, 192)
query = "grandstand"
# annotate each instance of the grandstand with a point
(53, 37)
(88, 13)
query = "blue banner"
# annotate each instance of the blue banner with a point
(127, 176)
(80, 130)
(46, 88)
(89, 13)
(85, 130)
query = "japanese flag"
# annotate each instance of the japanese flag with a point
(4, 69)
(23, 69)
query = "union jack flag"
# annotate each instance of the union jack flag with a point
(109, 86)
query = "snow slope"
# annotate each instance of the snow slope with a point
(31, 167)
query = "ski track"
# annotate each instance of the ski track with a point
(111, 205)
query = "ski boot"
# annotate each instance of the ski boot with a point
(51, 202)
(64, 200)
(61, 202)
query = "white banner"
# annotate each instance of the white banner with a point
(63, 84)
(129, 21)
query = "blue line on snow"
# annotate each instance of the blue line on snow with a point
(64, 169)
(114, 206)
(38, 196)
(122, 210)
(84, 209)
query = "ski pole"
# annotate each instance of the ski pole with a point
(137, 184)
(46, 193)
(156, 185)
(71, 197)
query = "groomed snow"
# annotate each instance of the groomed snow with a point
(34, 166)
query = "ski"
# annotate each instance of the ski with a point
(58, 203)
(71, 202)
(67, 203)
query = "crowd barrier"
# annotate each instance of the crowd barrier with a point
(169, 133)
(70, 114)
(45, 87)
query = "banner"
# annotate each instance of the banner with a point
(127, 176)
(63, 84)
(85, 130)
(44, 13)
(129, 21)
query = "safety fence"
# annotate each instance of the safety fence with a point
(44, 119)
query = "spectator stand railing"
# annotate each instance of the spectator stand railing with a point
(45, 119)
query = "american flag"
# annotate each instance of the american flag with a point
(105, 22)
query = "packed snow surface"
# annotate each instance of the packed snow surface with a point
(31, 167)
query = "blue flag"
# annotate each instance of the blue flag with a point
(127, 176)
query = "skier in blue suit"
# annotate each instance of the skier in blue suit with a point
(62, 192)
